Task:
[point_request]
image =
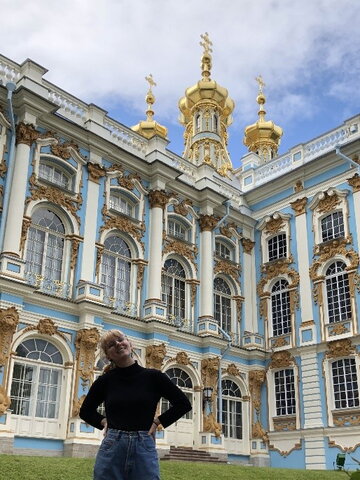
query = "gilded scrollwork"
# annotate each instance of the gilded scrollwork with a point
(193, 282)
(284, 424)
(258, 432)
(338, 329)
(281, 359)
(256, 379)
(354, 182)
(228, 268)
(247, 244)
(183, 249)
(141, 264)
(209, 372)
(5, 400)
(211, 425)
(329, 250)
(77, 402)
(299, 206)
(45, 326)
(24, 231)
(75, 243)
(124, 224)
(233, 370)
(159, 198)
(228, 229)
(9, 319)
(340, 348)
(182, 208)
(96, 172)
(63, 150)
(274, 225)
(328, 203)
(208, 222)
(26, 133)
(86, 344)
(127, 180)
(182, 358)
(155, 355)
(346, 418)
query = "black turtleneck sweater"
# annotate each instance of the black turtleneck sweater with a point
(131, 395)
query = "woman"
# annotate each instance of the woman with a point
(131, 394)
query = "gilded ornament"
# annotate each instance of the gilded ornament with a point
(328, 203)
(354, 182)
(274, 225)
(226, 230)
(331, 249)
(349, 419)
(155, 355)
(338, 329)
(63, 151)
(274, 269)
(99, 252)
(256, 379)
(9, 319)
(299, 206)
(26, 133)
(233, 370)
(182, 358)
(141, 264)
(247, 244)
(24, 231)
(5, 400)
(96, 171)
(280, 342)
(86, 344)
(340, 348)
(209, 372)
(75, 243)
(193, 288)
(77, 403)
(125, 224)
(127, 181)
(45, 326)
(208, 222)
(228, 268)
(281, 359)
(285, 453)
(308, 323)
(3, 168)
(284, 424)
(158, 198)
(299, 186)
(181, 248)
(239, 301)
(211, 425)
(182, 208)
(259, 432)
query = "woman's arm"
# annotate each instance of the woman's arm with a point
(88, 410)
(179, 401)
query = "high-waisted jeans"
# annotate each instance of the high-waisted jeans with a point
(127, 456)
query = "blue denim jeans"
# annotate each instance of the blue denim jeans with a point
(127, 456)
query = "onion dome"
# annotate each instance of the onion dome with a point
(149, 128)
(263, 137)
(205, 112)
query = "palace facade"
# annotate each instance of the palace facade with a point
(241, 284)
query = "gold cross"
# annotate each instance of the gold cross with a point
(151, 81)
(207, 43)
(261, 83)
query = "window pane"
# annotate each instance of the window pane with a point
(285, 392)
(346, 394)
(277, 247)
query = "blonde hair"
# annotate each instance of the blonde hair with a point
(104, 341)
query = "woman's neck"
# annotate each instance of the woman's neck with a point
(127, 362)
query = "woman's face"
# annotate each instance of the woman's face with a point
(118, 348)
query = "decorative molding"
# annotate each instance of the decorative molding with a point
(182, 358)
(239, 301)
(9, 319)
(209, 372)
(24, 231)
(141, 264)
(332, 444)
(286, 423)
(182, 208)
(281, 359)
(299, 206)
(256, 379)
(46, 326)
(257, 431)
(75, 243)
(247, 244)
(348, 418)
(307, 323)
(86, 344)
(26, 133)
(159, 198)
(211, 425)
(354, 182)
(96, 171)
(274, 225)
(193, 282)
(63, 150)
(127, 181)
(328, 203)
(228, 268)
(274, 269)
(226, 230)
(77, 403)
(124, 224)
(233, 370)
(340, 348)
(155, 355)
(338, 329)
(299, 186)
(181, 248)
(283, 453)
(208, 222)
(331, 249)
(99, 252)
(280, 342)
(5, 400)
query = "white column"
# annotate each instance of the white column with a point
(206, 275)
(25, 135)
(155, 253)
(90, 227)
(250, 312)
(299, 206)
(312, 403)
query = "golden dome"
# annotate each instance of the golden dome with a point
(206, 91)
(263, 137)
(149, 128)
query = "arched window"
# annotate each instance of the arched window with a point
(177, 229)
(45, 247)
(280, 308)
(332, 226)
(338, 292)
(222, 250)
(56, 175)
(36, 379)
(285, 397)
(277, 247)
(345, 383)
(231, 410)
(173, 288)
(183, 381)
(197, 123)
(222, 304)
(216, 123)
(121, 204)
(116, 271)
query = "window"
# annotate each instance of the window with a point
(221, 250)
(222, 304)
(215, 123)
(35, 388)
(338, 292)
(280, 308)
(197, 123)
(173, 288)
(277, 247)
(120, 204)
(183, 381)
(231, 410)
(178, 230)
(116, 270)
(332, 226)
(55, 175)
(346, 393)
(45, 248)
(285, 402)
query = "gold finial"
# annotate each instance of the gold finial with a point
(150, 98)
(206, 58)
(260, 82)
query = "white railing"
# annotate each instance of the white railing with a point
(125, 136)
(9, 72)
(48, 285)
(183, 165)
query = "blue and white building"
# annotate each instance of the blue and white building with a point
(242, 285)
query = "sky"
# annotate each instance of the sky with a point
(307, 51)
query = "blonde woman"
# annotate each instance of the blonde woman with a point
(131, 394)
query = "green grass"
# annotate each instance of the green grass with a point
(51, 468)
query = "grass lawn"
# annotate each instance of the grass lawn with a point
(50, 468)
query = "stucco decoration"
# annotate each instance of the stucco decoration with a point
(26, 133)
(329, 250)
(181, 248)
(86, 344)
(299, 206)
(228, 268)
(182, 358)
(257, 431)
(281, 359)
(328, 203)
(182, 208)
(233, 370)
(340, 348)
(46, 326)
(211, 425)
(77, 405)
(209, 372)
(96, 171)
(159, 198)
(354, 182)
(4, 400)
(256, 379)
(208, 222)
(124, 224)
(9, 319)
(247, 244)
(155, 355)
